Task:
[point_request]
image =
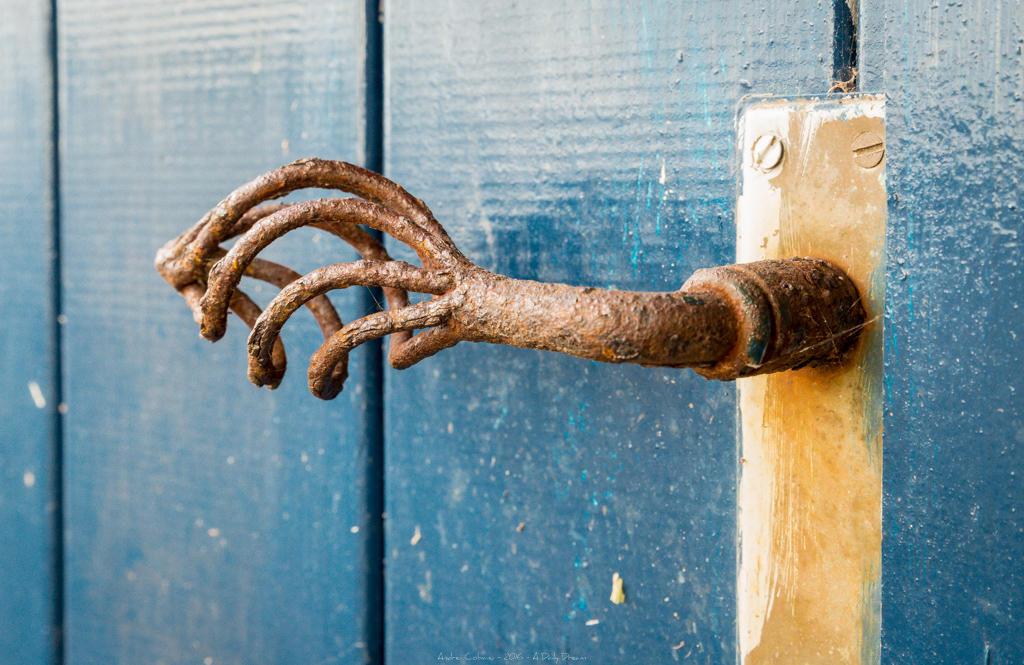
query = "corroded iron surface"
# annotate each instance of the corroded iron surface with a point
(726, 322)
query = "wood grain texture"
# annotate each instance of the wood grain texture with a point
(591, 146)
(208, 521)
(871, 47)
(953, 525)
(29, 486)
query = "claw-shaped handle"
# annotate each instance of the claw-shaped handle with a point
(725, 323)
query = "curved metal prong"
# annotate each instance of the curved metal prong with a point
(226, 273)
(215, 227)
(243, 306)
(394, 274)
(323, 364)
(405, 354)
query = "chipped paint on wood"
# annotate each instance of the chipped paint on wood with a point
(618, 594)
(810, 489)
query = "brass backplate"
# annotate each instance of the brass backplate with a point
(810, 494)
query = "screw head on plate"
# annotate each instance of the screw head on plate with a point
(868, 150)
(766, 152)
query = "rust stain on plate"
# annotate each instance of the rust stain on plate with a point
(811, 482)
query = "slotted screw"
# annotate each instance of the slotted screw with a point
(868, 150)
(767, 152)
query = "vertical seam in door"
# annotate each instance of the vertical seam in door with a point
(374, 156)
(55, 343)
(374, 86)
(844, 45)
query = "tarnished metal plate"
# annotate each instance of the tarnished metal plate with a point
(813, 185)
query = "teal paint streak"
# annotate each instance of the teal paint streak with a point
(500, 419)
(634, 257)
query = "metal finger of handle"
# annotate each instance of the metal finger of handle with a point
(725, 323)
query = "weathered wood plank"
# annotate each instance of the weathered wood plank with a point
(953, 543)
(29, 485)
(871, 45)
(208, 521)
(594, 146)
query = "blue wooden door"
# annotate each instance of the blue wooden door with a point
(590, 147)
(30, 576)
(952, 570)
(205, 521)
(155, 507)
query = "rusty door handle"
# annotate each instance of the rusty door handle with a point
(725, 323)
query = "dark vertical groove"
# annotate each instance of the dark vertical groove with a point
(374, 86)
(56, 342)
(844, 46)
(374, 156)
